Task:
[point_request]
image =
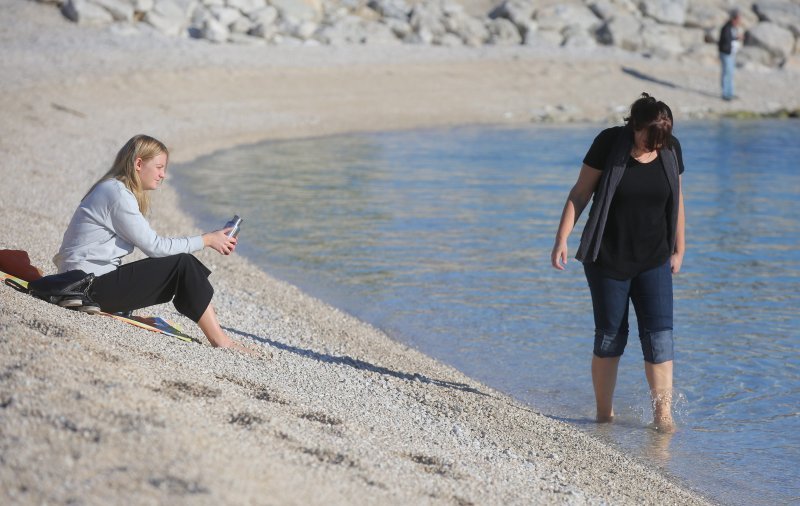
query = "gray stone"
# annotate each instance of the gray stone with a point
(305, 30)
(779, 41)
(143, 5)
(703, 53)
(85, 12)
(558, 16)
(120, 10)
(691, 37)
(576, 36)
(519, 12)
(783, 13)
(603, 9)
(380, 34)
(266, 31)
(663, 41)
(544, 38)
(214, 30)
(706, 16)
(243, 25)
(264, 16)
(623, 32)
(225, 15)
(473, 32)
(754, 56)
(450, 40)
(391, 9)
(349, 30)
(399, 28)
(247, 6)
(451, 8)
(426, 20)
(246, 40)
(666, 11)
(502, 32)
(168, 16)
(299, 10)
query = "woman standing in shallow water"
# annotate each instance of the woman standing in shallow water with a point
(110, 222)
(632, 244)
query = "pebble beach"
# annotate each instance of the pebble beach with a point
(331, 411)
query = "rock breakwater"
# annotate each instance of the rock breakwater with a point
(659, 28)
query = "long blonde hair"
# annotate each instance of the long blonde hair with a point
(124, 168)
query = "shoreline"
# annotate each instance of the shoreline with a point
(94, 410)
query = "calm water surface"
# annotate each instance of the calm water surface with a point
(442, 238)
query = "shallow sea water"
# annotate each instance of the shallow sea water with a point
(442, 239)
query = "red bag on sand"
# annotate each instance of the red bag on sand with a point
(18, 263)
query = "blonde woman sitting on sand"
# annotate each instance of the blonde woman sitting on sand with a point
(110, 221)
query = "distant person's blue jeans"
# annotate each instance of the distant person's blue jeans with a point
(651, 294)
(728, 66)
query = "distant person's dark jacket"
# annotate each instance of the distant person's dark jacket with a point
(726, 38)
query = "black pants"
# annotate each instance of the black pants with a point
(183, 279)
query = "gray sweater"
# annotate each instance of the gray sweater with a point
(106, 227)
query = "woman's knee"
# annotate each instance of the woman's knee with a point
(609, 344)
(657, 346)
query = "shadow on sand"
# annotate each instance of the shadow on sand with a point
(357, 364)
(650, 79)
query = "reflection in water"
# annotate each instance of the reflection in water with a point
(657, 448)
(442, 238)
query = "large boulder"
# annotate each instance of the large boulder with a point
(783, 13)
(401, 29)
(121, 10)
(603, 9)
(558, 16)
(170, 17)
(226, 15)
(519, 12)
(576, 36)
(623, 31)
(705, 16)
(266, 31)
(663, 41)
(264, 16)
(427, 21)
(247, 6)
(142, 5)
(503, 32)
(473, 31)
(355, 30)
(391, 9)
(779, 41)
(666, 11)
(85, 12)
(214, 30)
(298, 10)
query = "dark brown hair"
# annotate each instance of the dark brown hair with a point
(655, 116)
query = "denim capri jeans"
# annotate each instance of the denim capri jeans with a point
(651, 294)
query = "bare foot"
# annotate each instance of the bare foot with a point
(236, 346)
(665, 424)
(604, 418)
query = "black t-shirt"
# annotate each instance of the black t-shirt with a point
(636, 235)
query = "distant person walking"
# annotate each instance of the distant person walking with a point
(729, 39)
(632, 244)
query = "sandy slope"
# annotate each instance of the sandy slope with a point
(92, 411)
